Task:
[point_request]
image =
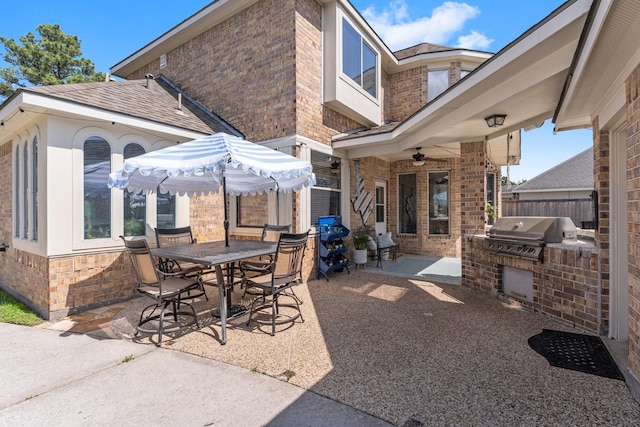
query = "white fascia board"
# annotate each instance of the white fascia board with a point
(584, 56)
(440, 59)
(9, 109)
(45, 104)
(201, 21)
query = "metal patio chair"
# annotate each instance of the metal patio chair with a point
(165, 289)
(177, 237)
(284, 272)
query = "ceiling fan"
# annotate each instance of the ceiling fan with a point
(419, 158)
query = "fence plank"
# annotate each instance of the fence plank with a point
(578, 210)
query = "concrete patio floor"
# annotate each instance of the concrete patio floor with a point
(403, 348)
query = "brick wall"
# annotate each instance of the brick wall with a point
(566, 285)
(409, 93)
(601, 162)
(633, 199)
(244, 69)
(374, 169)
(472, 202)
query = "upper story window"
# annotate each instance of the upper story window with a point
(359, 60)
(437, 82)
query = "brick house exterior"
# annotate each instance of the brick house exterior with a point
(270, 71)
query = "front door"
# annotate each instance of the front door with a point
(381, 207)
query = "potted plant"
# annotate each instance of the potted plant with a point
(360, 248)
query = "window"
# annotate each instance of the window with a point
(437, 82)
(359, 60)
(380, 204)
(438, 203)
(34, 189)
(97, 195)
(166, 211)
(135, 205)
(16, 193)
(25, 191)
(325, 195)
(464, 73)
(491, 196)
(407, 196)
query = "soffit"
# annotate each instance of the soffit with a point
(610, 53)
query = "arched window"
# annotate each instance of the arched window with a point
(97, 195)
(135, 205)
(16, 194)
(25, 190)
(34, 189)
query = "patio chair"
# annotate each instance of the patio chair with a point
(176, 237)
(259, 266)
(284, 272)
(165, 289)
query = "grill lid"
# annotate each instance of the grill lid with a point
(534, 228)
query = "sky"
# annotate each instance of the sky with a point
(111, 31)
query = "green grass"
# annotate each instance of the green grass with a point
(13, 311)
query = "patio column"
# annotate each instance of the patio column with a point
(473, 201)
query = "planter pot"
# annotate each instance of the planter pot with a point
(360, 256)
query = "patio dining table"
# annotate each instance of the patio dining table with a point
(217, 254)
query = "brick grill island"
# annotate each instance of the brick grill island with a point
(540, 263)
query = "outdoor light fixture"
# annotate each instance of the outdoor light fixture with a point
(335, 166)
(418, 158)
(495, 120)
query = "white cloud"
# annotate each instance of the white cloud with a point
(399, 30)
(474, 40)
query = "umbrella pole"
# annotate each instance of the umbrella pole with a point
(226, 214)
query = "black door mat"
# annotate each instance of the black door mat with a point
(578, 352)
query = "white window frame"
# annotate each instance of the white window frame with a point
(117, 198)
(25, 236)
(363, 42)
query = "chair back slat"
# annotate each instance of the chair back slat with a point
(288, 261)
(143, 264)
(271, 233)
(174, 236)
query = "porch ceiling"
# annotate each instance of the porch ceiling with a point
(524, 81)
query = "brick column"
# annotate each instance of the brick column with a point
(601, 162)
(633, 216)
(473, 201)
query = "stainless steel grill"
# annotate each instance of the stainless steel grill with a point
(526, 236)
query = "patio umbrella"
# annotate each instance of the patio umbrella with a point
(206, 165)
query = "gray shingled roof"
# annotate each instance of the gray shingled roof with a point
(576, 172)
(387, 127)
(157, 104)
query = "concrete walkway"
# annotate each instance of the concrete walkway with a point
(52, 378)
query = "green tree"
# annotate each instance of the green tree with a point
(50, 59)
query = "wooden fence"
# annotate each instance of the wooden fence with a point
(577, 210)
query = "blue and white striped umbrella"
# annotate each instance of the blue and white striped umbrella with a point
(204, 165)
(197, 167)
